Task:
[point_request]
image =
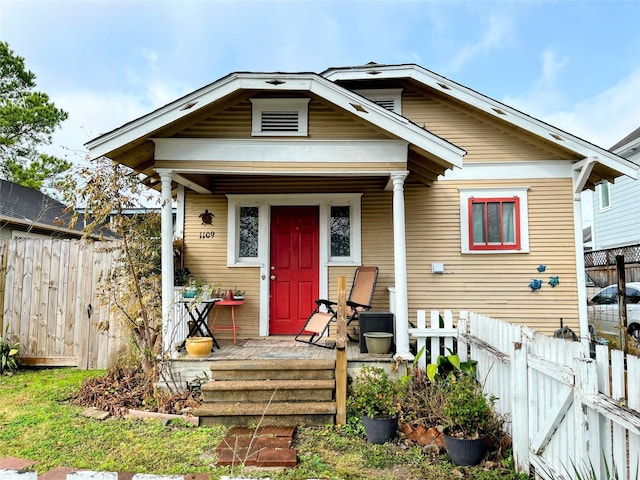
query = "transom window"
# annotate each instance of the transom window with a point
(494, 221)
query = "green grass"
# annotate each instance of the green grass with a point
(39, 422)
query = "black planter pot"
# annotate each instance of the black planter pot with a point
(380, 430)
(463, 451)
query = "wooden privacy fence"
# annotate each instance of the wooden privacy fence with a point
(564, 409)
(50, 306)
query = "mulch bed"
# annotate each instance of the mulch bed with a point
(124, 388)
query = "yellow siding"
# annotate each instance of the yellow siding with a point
(207, 258)
(493, 284)
(294, 168)
(325, 122)
(484, 139)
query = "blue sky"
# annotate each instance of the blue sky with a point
(574, 64)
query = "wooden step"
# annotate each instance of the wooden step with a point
(279, 392)
(272, 369)
(268, 390)
(266, 413)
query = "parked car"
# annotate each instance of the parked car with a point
(603, 311)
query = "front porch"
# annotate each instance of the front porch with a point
(187, 370)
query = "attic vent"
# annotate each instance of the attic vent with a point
(279, 116)
(389, 98)
(189, 105)
(279, 122)
(389, 103)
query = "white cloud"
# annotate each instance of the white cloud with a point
(499, 29)
(605, 118)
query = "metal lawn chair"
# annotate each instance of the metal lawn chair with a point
(360, 298)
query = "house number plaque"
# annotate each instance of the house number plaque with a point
(205, 235)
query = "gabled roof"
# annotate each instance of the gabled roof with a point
(629, 145)
(29, 209)
(496, 109)
(131, 134)
(131, 143)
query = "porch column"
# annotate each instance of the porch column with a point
(168, 326)
(400, 266)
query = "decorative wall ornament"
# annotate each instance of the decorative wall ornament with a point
(207, 217)
(553, 281)
(535, 284)
(542, 268)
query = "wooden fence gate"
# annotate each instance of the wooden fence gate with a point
(565, 409)
(50, 306)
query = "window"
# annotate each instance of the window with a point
(279, 116)
(605, 195)
(340, 231)
(494, 221)
(248, 232)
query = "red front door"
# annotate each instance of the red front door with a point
(294, 267)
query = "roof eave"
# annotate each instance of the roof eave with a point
(488, 105)
(339, 96)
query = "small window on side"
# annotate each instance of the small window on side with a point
(605, 195)
(248, 242)
(340, 231)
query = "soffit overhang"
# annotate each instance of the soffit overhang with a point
(605, 165)
(132, 144)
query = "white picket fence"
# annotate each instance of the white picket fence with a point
(565, 410)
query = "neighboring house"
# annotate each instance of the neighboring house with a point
(29, 213)
(284, 181)
(616, 205)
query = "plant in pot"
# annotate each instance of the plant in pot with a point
(375, 395)
(469, 415)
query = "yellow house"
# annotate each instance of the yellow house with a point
(283, 181)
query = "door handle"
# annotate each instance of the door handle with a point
(273, 277)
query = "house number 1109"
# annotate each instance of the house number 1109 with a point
(207, 234)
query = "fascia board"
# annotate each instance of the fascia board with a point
(489, 106)
(343, 98)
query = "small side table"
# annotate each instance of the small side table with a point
(227, 303)
(199, 314)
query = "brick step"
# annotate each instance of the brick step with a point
(267, 390)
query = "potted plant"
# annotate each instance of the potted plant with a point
(468, 415)
(375, 395)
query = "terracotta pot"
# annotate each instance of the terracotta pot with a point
(199, 346)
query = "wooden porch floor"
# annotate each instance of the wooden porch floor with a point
(186, 369)
(281, 347)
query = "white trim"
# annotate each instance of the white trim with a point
(261, 105)
(488, 105)
(511, 171)
(449, 155)
(492, 192)
(264, 204)
(280, 150)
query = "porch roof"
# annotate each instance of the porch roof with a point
(135, 144)
(602, 164)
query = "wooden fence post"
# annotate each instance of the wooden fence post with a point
(520, 424)
(341, 354)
